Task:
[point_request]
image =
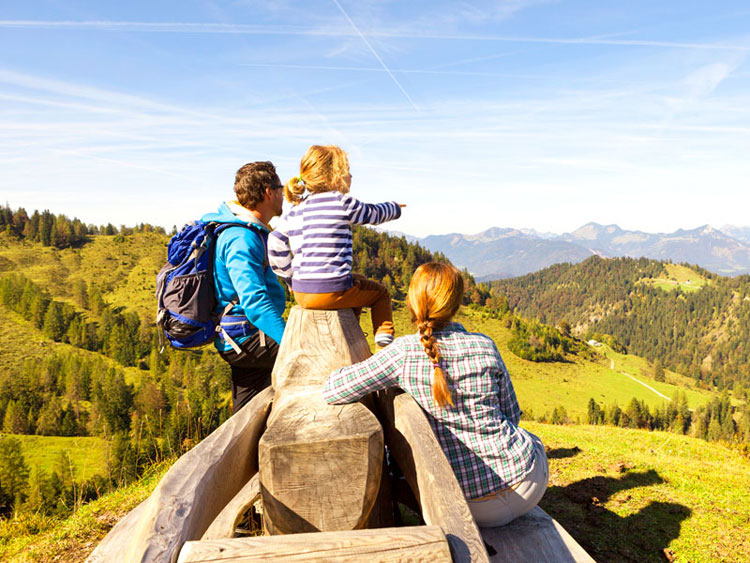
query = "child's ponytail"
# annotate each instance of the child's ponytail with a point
(294, 189)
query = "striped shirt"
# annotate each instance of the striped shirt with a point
(312, 244)
(480, 434)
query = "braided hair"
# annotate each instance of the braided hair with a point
(435, 294)
(322, 169)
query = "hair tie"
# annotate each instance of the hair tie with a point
(300, 180)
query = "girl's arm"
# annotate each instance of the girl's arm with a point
(279, 253)
(350, 384)
(370, 213)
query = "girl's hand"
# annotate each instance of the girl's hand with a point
(402, 205)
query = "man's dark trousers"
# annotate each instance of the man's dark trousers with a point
(251, 369)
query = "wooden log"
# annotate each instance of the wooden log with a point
(192, 492)
(316, 343)
(310, 445)
(416, 450)
(418, 543)
(535, 537)
(226, 522)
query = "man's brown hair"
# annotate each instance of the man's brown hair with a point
(251, 182)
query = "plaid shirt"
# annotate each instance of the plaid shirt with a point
(480, 434)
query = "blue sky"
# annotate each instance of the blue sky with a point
(519, 113)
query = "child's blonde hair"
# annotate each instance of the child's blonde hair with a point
(435, 294)
(323, 169)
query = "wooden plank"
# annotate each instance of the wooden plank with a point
(418, 543)
(309, 444)
(429, 474)
(533, 538)
(193, 491)
(226, 522)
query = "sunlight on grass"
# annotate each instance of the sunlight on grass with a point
(650, 490)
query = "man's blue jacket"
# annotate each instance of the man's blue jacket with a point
(242, 274)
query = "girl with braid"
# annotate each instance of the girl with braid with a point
(461, 382)
(311, 246)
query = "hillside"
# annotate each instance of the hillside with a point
(695, 322)
(624, 495)
(80, 365)
(543, 386)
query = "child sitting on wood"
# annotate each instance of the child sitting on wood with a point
(312, 245)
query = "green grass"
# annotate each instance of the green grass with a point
(88, 454)
(33, 537)
(625, 495)
(678, 276)
(124, 268)
(25, 341)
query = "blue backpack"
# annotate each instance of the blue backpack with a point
(185, 287)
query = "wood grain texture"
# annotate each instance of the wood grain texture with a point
(226, 522)
(535, 537)
(320, 464)
(315, 343)
(308, 444)
(418, 543)
(193, 491)
(421, 459)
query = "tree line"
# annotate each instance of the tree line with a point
(716, 421)
(59, 231)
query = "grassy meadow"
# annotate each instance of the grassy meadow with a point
(74, 538)
(88, 455)
(678, 276)
(122, 267)
(625, 495)
(629, 495)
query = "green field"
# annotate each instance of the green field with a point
(678, 276)
(542, 386)
(626, 495)
(88, 455)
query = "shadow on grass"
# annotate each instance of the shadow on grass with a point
(606, 536)
(561, 453)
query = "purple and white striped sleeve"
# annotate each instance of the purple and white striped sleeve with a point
(279, 253)
(360, 213)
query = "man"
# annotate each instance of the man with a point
(251, 330)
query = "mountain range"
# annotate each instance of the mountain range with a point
(502, 253)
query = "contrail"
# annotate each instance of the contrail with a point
(375, 54)
(198, 27)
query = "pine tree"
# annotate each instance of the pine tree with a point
(659, 374)
(14, 473)
(54, 327)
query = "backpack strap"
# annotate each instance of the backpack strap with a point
(218, 229)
